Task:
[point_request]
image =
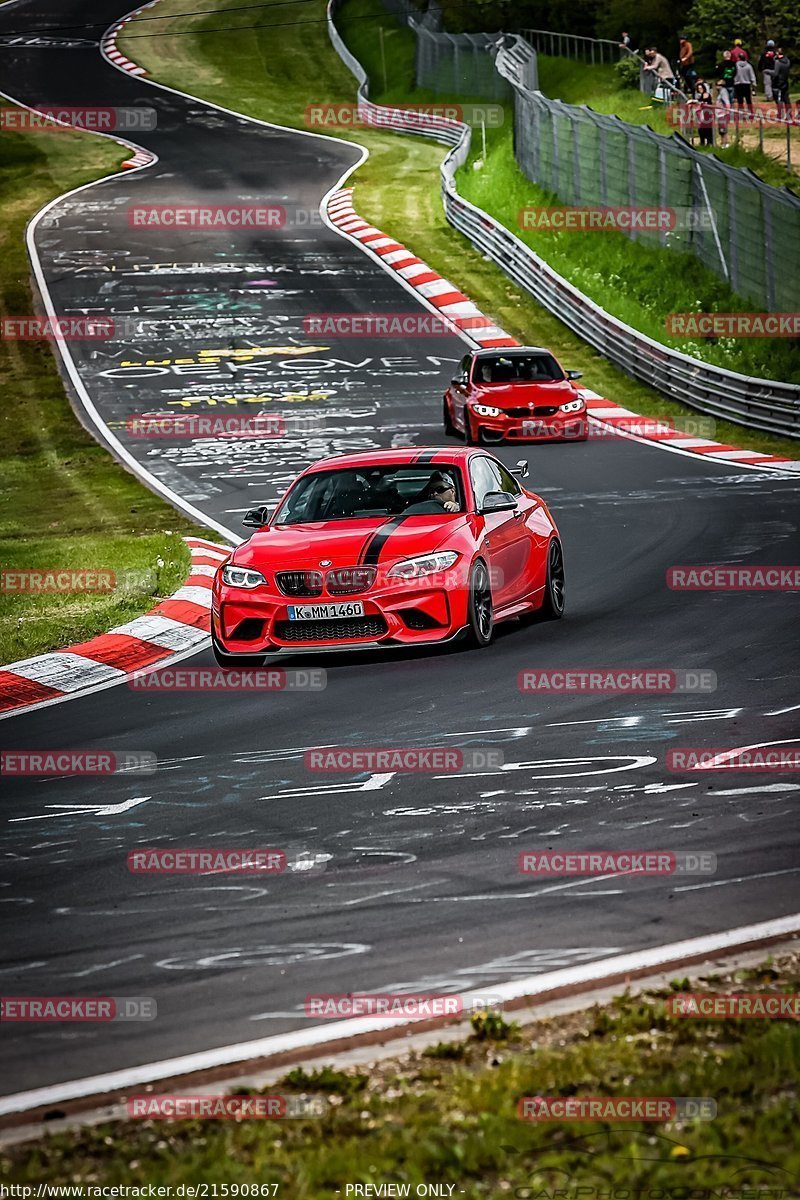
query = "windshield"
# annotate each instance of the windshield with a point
(411, 489)
(517, 368)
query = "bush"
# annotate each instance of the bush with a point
(627, 71)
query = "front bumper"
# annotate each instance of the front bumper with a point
(565, 427)
(399, 613)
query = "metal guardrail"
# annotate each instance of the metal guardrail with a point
(569, 45)
(758, 403)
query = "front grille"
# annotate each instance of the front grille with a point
(347, 581)
(299, 583)
(324, 631)
(539, 410)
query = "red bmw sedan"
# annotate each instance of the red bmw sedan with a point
(389, 548)
(518, 394)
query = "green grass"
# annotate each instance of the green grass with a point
(264, 73)
(64, 502)
(451, 1117)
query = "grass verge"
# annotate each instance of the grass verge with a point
(448, 1116)
(264, 73)
(64, 502)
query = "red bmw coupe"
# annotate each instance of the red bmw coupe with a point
(519, 394)
(389, 548)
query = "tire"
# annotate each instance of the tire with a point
(234, 660)
(449, 428)
(481, 607)
(470, 437)
(553, 604)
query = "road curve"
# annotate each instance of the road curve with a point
(420, 888)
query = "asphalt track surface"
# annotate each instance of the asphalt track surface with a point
(419, 889)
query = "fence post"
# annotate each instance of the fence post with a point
(768, 251)
(733, 249)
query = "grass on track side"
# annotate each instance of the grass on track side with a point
(448, 1116)
(264, 73)
(64, 501)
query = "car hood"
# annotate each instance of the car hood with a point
(512, 395)
(344, 542)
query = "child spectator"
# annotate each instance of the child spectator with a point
(723, 113)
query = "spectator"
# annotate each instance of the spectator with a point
(765, 66)
(659, 66)
(780, 83)
(705, 113)
(738, 52)
(625, 40)
(723, 112)
(726, 71)
(743, 83)
(686, 62)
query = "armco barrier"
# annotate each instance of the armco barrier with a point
(758, 403)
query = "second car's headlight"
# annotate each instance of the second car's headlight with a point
(243, 577)
(486, 410)
(573, 406)
(426, 564)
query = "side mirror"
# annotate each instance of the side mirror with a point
(498, 502)
(521, 469)
(255, 518)
(574, 374)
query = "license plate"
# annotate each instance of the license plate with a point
(325, 612)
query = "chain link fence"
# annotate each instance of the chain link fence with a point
(745, 231)
(459, 63)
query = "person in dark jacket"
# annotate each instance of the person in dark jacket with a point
(780, 83)
(726, 71)
(765, 65)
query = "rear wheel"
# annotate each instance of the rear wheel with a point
(553, 603)
(481, 607)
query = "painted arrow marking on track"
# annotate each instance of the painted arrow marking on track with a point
(79, 810)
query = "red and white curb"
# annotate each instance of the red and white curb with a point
(108, 44)
(609, 413)
(178, 625)
(453, 304)
(436, 291)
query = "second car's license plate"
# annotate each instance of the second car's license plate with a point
(325, 612)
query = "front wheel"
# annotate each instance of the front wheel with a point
(553, 604)
(481, 607)
(234, 660)
(449, 428)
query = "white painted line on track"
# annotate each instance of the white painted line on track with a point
(585, 975)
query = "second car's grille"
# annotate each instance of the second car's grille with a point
(325, 631)
(539, 410)
(299, 583)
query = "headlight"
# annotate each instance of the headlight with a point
(486, 410)
(573, 406)
(426, 564)
(243, 577)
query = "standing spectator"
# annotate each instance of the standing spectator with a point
(723, 112)
(780, 83)
(686, 63)
(743, 83)
(726, 71)
(738, 52)
(625, 40)
(659, 66)
(765, 66)
(705, 113)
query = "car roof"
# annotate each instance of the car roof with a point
(507, 351)
(425, 456)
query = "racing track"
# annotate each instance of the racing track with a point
(420, 889)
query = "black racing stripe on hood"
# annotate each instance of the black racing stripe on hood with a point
(371, 551)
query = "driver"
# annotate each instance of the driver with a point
(441, 489)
